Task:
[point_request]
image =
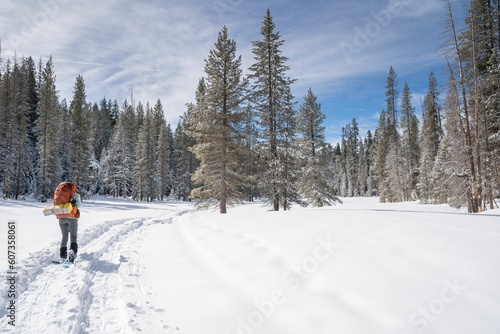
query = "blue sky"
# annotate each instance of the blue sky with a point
(341, 49)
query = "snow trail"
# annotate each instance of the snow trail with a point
(86, 298)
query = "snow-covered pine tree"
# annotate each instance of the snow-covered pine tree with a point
(371, 187)
(144, 169)
(6, 112)
(287, 149)
(48, 134)
(80, 138)
(16, 147)
(163, 160)
(270, 96)
(33, 98)
(102, 127)
(338, 167)
(251, 160)
(118, 164)
(362, 170)
(343, 170)
(185, 162)
(350, 153)
(65, 131)
(314, 182)
(181, 176)
(432, 134)
(451, 168)
(441, 177)
(381, 142)
(410, 152)
(393, 161)
(217, 129)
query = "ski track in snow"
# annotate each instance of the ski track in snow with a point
(102, 293)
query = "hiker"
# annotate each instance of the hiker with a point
(68, 222)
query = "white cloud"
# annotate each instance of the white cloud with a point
(158, 47)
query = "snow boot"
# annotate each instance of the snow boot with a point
(63, 252)
(73, 251)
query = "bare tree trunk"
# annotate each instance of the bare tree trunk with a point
(468, 141)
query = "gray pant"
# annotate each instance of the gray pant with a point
(68, 225)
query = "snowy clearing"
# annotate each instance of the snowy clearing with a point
(361, 267)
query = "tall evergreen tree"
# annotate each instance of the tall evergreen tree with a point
(432, 134)
(381, 142)
(33, 98)
(80, 137)
(118, 164)
(163, 155)
(314, 182)
(409, 145)
(251, 160)
(393, 161)
(48, 134)
(102, 127)
(181, 173)
(362, 170)
(271, 96)
(17, 146)
(218, 133)
(287, 148)
(350, 153)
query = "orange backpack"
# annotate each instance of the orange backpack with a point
(64, 193)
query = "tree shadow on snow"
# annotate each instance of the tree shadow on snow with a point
(102, 266)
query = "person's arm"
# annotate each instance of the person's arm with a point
(78, 200)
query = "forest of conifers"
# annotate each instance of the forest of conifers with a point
(245, 137)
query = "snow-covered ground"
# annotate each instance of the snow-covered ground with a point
(361, 267)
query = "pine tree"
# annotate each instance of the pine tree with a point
(181, 173)
(314, 182)
(144, 169)
(118, 165)
(371, 187)
(431, 137)
(17, 149)
(102, 127)
(409, 145)
(185, 162)
(362, 170)
(270, 95)
(66, 132)
(48, 134)
(287, 148)
(6, 116)
(451, 168)
(381, 142)
(218, 131)
(33, 98)
(350, 153)
(251, 160)
(163, 155)
(80, 136)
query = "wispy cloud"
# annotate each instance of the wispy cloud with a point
(158, 47)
